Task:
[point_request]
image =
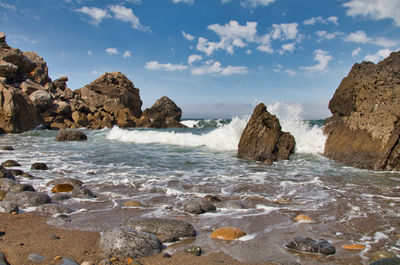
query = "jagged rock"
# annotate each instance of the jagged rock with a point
(2, 39)
(42, 100)
(62, 108)
(124, 242)
(163, 114)
(364, 130)
(306, 244)
(8, 70)
(71, 136)
(167, 230)
(61, 83)
(80, 118)
(28, 198)
(263, 139)
(40, 73)
(28, 87)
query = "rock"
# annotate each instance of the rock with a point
(7, 148)
(40, 73)
(212, 198)
(71, 136)
(8, 70)
(127, 243)
(306, 244)
(163, 114)
(27, 176)
(71, 181)
(61, 83)
(16, 172)
(10, 163)
(67, 261)
(133, 203)
(28, 198)
(227, 233)
(42, 100)
(28, 87)
(3, 260)
(80, 118)
(353, 247)
(234, 205)
(39, 166)
(2, 194)
(167, 229)
(387, 261)
(4, 173)
(7, 184)
(18, 112)
(53, 208)
(194, 250)
(22, 187)
(167, 256)
(364, 130)
(36, 258)
(8, 207)
(263, 139)
(62, 188)
(60, 197)
(381, 254)
(62, 108)
(301, 218)
(82, 193)
(3, 39)
(198, 206)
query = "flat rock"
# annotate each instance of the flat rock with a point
(228, 233)
(198, 206)
(71, 181)
(133, 203)
(124, 242)
(309, 245)
(71, 136)
(7, 148)
(28, 198)
(166, 229)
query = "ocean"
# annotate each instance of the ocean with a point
(163, 168)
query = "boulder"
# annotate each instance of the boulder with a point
(8, 70)
(364, 130)
(167, 230)
(309, 245)
(198, 206)
(10, 163)
(42, 100)
(71, 136)
(60, 83)
(52, 208)
(28, 87)
(122, 242)
(163, 114)
(263, 139)
(39, 166)
(40, 72)
(28, 198)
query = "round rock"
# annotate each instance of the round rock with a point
(228, 233)
(387, 261)
(198, 206)
(28, 198)
(82, 193)
(39, 166)
(10, 163)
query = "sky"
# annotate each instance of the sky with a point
(213, 58)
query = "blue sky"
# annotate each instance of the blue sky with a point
(214, 58)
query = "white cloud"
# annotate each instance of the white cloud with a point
(194, 58)
(154, 65)
(94, 72)
(233, 30)
(290, 72)
(89, 53)
(95, 13)
(112, 51)
(375, 9)
(248, 51)
(126, 15)
(277, 68)
(284, 31)
(323, 58)
(288, 47)
(255, 3)
(187, 36)
(8, 6)
(381, 54)
(215, 68)
(127, 54)
(313, 20)
(265, 42)
(326, 35)
(208, 47)
(356, 52)
(225, 1)
(190, 2)
(361, 37)
(384, 42)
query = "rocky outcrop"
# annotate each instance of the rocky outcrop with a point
(263, 139)
(163, 114)
(364, 130)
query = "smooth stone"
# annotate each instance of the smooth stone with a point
(7, 184)
(60, 197)
(194, 250)
(128, 243)
(22, 187)
(53, 208)
(387, 261)
(62, 188)
(82, 193)
(36, 258)
(67, 261)
(8, 207)
(10, 163)
(198, 206)
(39, 166)
(133, 203)
(234, 205)
(301, 218)
(227, 233)
(353, 247)
(88, 263)
(28, 198)
(71, 181)
(381, 254)
(309, 245)
(54, 237)
(7, 148)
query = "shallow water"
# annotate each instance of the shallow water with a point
(163, 168)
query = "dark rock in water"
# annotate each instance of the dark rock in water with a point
(387, 261)
(4, 173)
(60, 197)
(306, 244)
(195, 250)
(364, 130)
(36, 258)
(165, 229)
(22, 187)
(82, 193)
(7, 148)
(27, 176)
(163, 114)
(16, 172)
(282, 262)
(28, 198)
(8, 207)
(71, 181)
(53, 208)
(263, 139)
(71, 136)
(124, 242)
(39, 166)
(234, 205)
(10, 163)
(198, 206)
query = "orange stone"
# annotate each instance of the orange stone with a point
(303, 218)
(354, 247)
(133, 203)
(57, 258)
(62, 188)
(227, 233)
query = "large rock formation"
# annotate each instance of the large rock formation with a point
(263, 139)
(364, 129)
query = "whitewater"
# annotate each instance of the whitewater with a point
(164, 168)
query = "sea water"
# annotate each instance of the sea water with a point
(163, 168)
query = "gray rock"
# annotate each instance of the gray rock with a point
(124, 242)
(28, 198)
(39, 166)
(7, 184)
(306, 244)
(387, 261)
(82, 193)
(71, 136)
(36, 258)
(22, 187)
(41, 99)
(67, 261)
(165, 229)
(8, 207)
(10, 163)
(4, 173)
(234, 205)
(60, 197)
(53, 208)
(3, 259)
(16, 172)
(198, 206)
(73, 182)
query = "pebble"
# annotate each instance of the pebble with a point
(57, 258)
(382, 254)
(67, 261)
(36, 258)
(301, 218)
(227, 233)
(54, 237)
(195, 250)
(354, 247)
(88, 263)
